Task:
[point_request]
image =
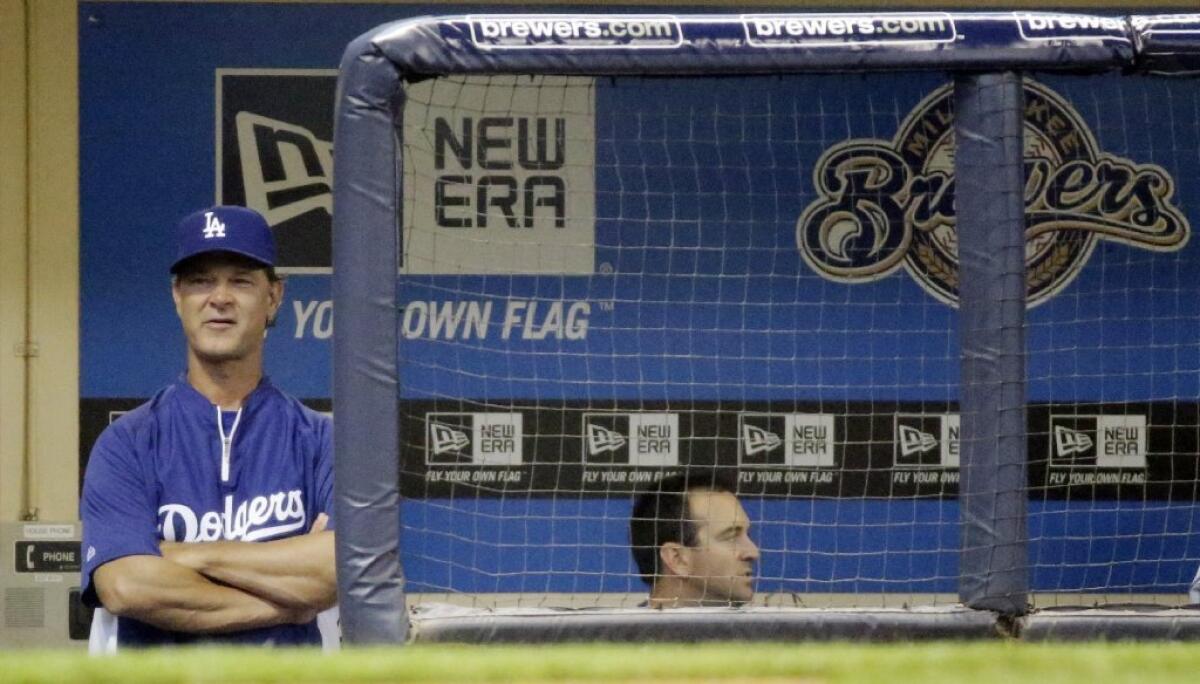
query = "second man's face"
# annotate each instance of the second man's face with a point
(723, 559)
(224, 303)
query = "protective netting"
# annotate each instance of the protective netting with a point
(605, 282)
(714, 259)
(609, 280)
(1113, 350)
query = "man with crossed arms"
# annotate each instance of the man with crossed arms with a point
(207, 511)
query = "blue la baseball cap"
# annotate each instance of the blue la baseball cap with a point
(225, 229)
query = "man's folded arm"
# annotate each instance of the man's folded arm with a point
(170, 596)
(298, 572)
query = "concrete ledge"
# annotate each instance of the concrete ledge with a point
(542, 625)
(1112, 623)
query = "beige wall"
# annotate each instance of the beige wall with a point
(39, 262)
(39, 236)
(12, 253)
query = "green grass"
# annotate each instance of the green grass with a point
(973, 663)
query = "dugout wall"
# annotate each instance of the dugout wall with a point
(642, 181)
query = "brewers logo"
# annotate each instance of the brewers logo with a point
(885, 204)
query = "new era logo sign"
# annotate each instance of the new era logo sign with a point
(444, 439)
(926, 441)
(1097, 441)
(213, 227)
(913, 441)
(286, 169)
(756, 440)
(538, 135)
(1070, 442)
(601, 440)
(761, 440)
(634, 439)
(275, 153)
(487, 439)
(1073, 440)
(792, 440)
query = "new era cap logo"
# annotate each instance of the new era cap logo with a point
(213, 227)
(274, 146)
(786, 440)
(1099, 441)
(476, 439)
(758, 440)
(926, 440)
(1069, 442)
(602, 439)
(913, 441)
(1075, 441)
(641, 439)
(446, 440)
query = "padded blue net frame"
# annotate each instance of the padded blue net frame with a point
(986, 53)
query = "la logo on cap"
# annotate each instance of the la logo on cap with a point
(213, 228)
(225, 229)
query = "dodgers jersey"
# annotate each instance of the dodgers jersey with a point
(172, 470)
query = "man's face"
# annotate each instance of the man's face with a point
(224, 302)
(721, 563)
